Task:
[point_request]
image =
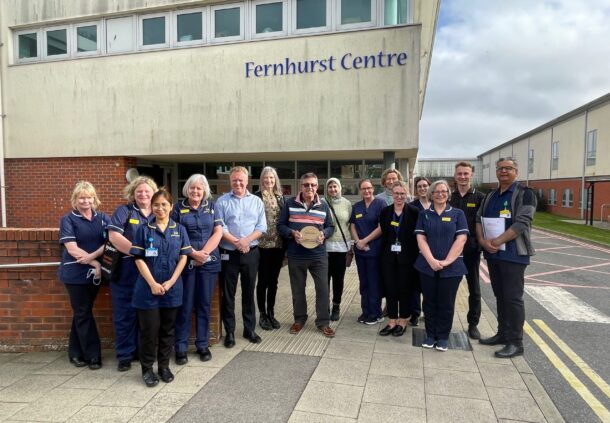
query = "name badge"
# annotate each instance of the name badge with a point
(359, 215)
(471, 205)
(152, 252)
(396, 248)
(134, 221)
(224, 257)
(446, 219)
(505, 214)
(182, 211)
(394, 223)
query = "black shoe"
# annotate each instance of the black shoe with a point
(166, 374)
(509, 351)
(150, 378)
(181, 358)
(253, 337)
(334, 314)
(473, 332)
(494, 340)
(386, 330)
(414, 321)
(124, 365)
(204, 354)
(264, 322)
(230, 340)
(398, 330)
(95, 364)
(274, 323)
(362, 319)
(78, 361)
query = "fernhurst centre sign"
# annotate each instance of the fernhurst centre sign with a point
(346, 62)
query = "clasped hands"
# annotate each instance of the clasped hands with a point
(161, 288)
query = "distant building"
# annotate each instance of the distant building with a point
(434, 169)
(566, 161)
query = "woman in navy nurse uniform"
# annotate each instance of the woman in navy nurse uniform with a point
(441, 233)
(126, 220)
(204, 228)
(160, 248)
(82, 232)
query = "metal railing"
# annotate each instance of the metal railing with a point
(25, 265)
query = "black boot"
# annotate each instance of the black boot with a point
(264, 322)
(274, 323)
(334, 314)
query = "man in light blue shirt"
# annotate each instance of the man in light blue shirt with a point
(244, 220)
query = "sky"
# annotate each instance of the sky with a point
(503, 67)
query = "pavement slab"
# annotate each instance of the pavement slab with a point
(454, 383)
(129, 392)
(189, 380)
(12, 372)
(450, 360)
(57, 405)
(501, 376)
(378, 413)
(103, 378)
(349, 350)
(405, 365)
(392, 390)
(7, 409)
(347, 372)
(303, 417)
(161, 407)
(31, 387)
(515, 405)
(331, 398)
(100, 414)
(442, 409)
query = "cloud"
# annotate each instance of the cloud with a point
(500, 68)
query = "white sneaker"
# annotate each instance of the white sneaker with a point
(428, 343)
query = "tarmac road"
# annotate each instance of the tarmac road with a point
(568, 292)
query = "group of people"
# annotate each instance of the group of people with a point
(173, 254)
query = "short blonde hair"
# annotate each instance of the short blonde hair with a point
(197, 178)
(87, 187)
(130, 190)
(433, 186)
(239, 169)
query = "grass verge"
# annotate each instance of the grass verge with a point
(555, 223)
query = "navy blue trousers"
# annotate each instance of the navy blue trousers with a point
(439, 304)
(124, 316)
(369, 273)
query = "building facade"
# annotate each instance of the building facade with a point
(92, 88)
(443, 168)
(565, 161)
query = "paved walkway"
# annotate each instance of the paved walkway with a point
(357, 376)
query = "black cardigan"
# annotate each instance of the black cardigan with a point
(406, 237)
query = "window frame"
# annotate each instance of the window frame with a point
(530, 160)
(38, 57)
(382, 14)
(45, 53)
(204, 27)
(358, 25)
(74, 36)
(591, 154)
(317, 29)
(555, 155)
(256, 36)
(567, 199)
(242, 23)
(552, 197)
(140, 36)
(134, 37)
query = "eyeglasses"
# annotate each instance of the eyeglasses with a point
(399, 194)
(505, 169)
(440, 192)
(306, 185)
(366, 188)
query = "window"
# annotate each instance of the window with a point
(552, 197)
(268, 18)
(86, 36)
(190, 27)
(540, 194)
(311, 16)
(154, 31)
(395, 12)
(56, 42)
(227, 23)
(554, 155)
(285, 170)
(568, 198)
(591, 147)
(356, 13)
(320, 168)
(119, 35)
(530, 161)
(27, 45)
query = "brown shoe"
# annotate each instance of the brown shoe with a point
(327, 331)
(296, 328)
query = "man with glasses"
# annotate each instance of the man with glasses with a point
(508, 254)
(468, 199)
(301, 213)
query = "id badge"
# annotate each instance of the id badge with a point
(396, 248)
(224, 257)
(152, 252)
(505, 214)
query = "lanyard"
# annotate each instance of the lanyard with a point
(397, 227)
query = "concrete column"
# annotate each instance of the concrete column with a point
(389, 160)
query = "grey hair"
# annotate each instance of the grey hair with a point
(308, 175)
(197, 178)
(277, 190)
(433, 186)
(508, 159)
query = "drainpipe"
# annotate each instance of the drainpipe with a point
(2, 179)
(583, 197)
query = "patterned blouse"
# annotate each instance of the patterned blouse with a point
(272, 238)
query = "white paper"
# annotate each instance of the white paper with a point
(493, 227)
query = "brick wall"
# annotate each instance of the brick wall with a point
(35, 311)
(38, 190)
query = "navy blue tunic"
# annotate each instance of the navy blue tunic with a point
(170, 245)
(199, 224)
(366, 220)
(89, 235)
(441, 231)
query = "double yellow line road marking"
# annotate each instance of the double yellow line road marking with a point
(597, 407)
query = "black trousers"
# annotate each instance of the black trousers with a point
(472, 260)
(507, 282)
(336, 272)
(84, 338)
(243, 267)
(269, 266)
(157, 336)
(398, 289)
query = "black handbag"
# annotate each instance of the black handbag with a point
(110, 263)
